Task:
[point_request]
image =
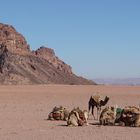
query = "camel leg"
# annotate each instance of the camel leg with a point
(98, 112)
(93, 112)
(89, 107)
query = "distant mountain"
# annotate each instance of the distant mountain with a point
(125, 81)
(20, 65)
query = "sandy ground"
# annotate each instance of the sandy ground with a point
(24, 111)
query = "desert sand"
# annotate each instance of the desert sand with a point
(24, 111)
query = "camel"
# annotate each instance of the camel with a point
(95, 101)
(130, 116)
(73, 119)
(77, 117)
(108, 116)
(59, 113)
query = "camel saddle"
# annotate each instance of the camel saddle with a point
(96, 98)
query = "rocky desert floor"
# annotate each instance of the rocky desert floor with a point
(24, 111)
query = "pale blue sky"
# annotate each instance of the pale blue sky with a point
(98, 38)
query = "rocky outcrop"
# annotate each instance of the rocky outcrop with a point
(20, 65)
(50, 56)
(13, 40)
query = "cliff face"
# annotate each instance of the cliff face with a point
(20, 65)
(50, 56)
(13, 40)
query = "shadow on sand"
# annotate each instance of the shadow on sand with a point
(64, 125)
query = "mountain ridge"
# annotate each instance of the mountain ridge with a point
(20, 65)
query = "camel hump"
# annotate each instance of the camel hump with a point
(96, 98)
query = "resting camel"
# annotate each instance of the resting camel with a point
(59, 113)
(130, 116)
(95, 101)
(108, 116)
(77, 117)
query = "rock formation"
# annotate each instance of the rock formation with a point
(50, 56)
(13, 40)
(20, 65)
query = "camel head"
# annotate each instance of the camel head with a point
(106, 98)
(105, 101)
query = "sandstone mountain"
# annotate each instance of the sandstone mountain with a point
(20, 65)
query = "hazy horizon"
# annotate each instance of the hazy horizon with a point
(118, 81)
(99, 39)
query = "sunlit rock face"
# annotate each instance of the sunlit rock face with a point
(13, 40)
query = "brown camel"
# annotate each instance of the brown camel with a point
(95, 101)
(77, 117)
(58, 113)
(130, 116)
(108, 116)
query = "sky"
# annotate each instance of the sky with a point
(98, 38)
